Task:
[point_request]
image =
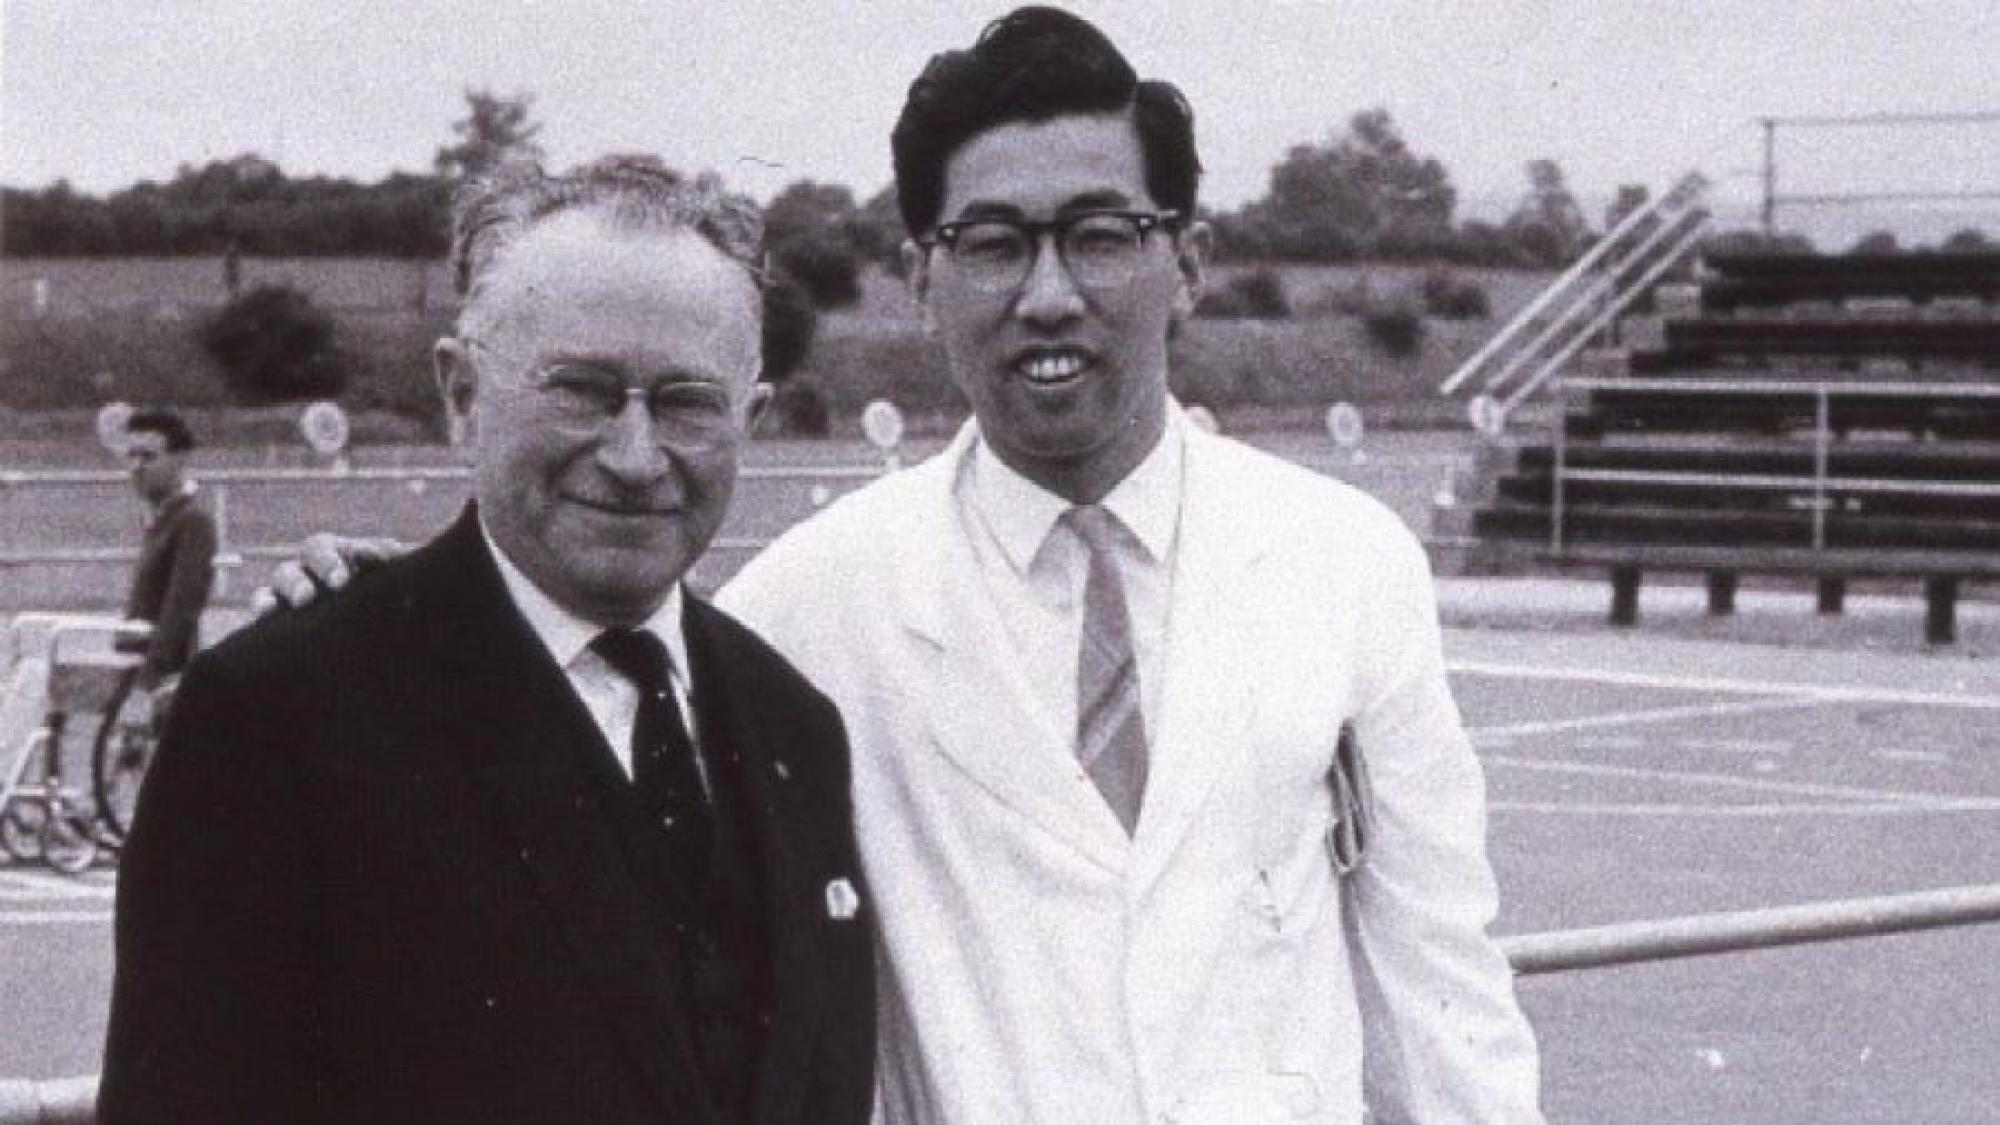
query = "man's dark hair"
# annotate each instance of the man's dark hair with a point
(1035, 64)
(165, 423)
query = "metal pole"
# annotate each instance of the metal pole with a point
(1556, 468)
(1696, 935)
(1770, 173)
(1822, 440)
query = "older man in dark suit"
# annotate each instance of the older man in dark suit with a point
(519, 831)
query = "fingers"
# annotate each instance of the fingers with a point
(262, 601)
(322, 555)
(293, 584)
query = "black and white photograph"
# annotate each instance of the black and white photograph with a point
(1192, 562)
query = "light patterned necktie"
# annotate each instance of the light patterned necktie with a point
(1110, 726)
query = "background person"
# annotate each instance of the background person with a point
(175, 572)
(518, 831)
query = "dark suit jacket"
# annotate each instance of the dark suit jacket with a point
(171, 582)
(376, 878)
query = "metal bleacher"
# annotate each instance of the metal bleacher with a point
(1821, 417)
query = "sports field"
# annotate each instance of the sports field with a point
(1631, 778)
(1687, 767)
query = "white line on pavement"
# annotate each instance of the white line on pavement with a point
(1678, 810)
(52, 917)
(1934, 802)
(1623, 718)
(1822, 692)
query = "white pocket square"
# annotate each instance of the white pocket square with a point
(842, 902)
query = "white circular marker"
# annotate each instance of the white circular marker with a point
(820, 495)
(1488, 416)
(882, 424)
(324, 426)
(1203, 417)
(111, 419)
(1343, 425)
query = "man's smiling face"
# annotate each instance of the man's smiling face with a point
(1069, 382)
(605, 514)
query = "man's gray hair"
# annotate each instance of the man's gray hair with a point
(632, 192)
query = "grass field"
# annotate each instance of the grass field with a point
(124, 329)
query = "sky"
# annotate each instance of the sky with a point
(105, 93)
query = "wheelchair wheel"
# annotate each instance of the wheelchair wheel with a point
(67, 842)
(119, 755)
(21, 829)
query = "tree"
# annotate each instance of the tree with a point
(1876, 243)
(274, 345)
(1548, 225)
(1364, 192)
(1747, 242)
(495, 129)
(876, 230)
(1631, 198)
(1969, 240)
(806, 210)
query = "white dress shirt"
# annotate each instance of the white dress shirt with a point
(612, 700)
(1035, 568)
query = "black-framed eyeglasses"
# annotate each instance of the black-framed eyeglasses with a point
(585, 396)
(1100, 249)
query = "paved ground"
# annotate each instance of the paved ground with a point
(1693, 764)
(1632, 776)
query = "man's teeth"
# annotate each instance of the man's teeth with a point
(1051, 368)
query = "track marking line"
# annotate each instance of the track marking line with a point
(1680, 810)
(1926, 757)
(1736, 746)
(1930, 802)
(1626, 718)
(1822, 692)
(17, 886)
(54, 917)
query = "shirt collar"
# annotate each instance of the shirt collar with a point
(566, 635)
(1021, 513)
(180, 496)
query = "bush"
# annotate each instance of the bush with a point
(274, 345)
(790, 321)
(1257, 294)
(800, 409)
(829, 270)
(1397, 329)
(1449, 297)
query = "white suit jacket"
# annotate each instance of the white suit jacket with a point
(1041, 965)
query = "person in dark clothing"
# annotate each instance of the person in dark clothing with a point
(176, 567)
(520, 831)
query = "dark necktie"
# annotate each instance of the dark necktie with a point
(665, 778)
(1110, 727)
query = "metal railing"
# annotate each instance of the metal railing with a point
(1602, 284)
(224, 486)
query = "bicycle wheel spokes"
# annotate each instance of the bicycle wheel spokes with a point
(123, 749)
(21, 829)
(67, 843)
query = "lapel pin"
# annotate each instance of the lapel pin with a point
(842, 903)
(783, 771)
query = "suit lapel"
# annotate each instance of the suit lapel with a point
(980, 703)
(1214, 630)
(526, 737)
(786, 821)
